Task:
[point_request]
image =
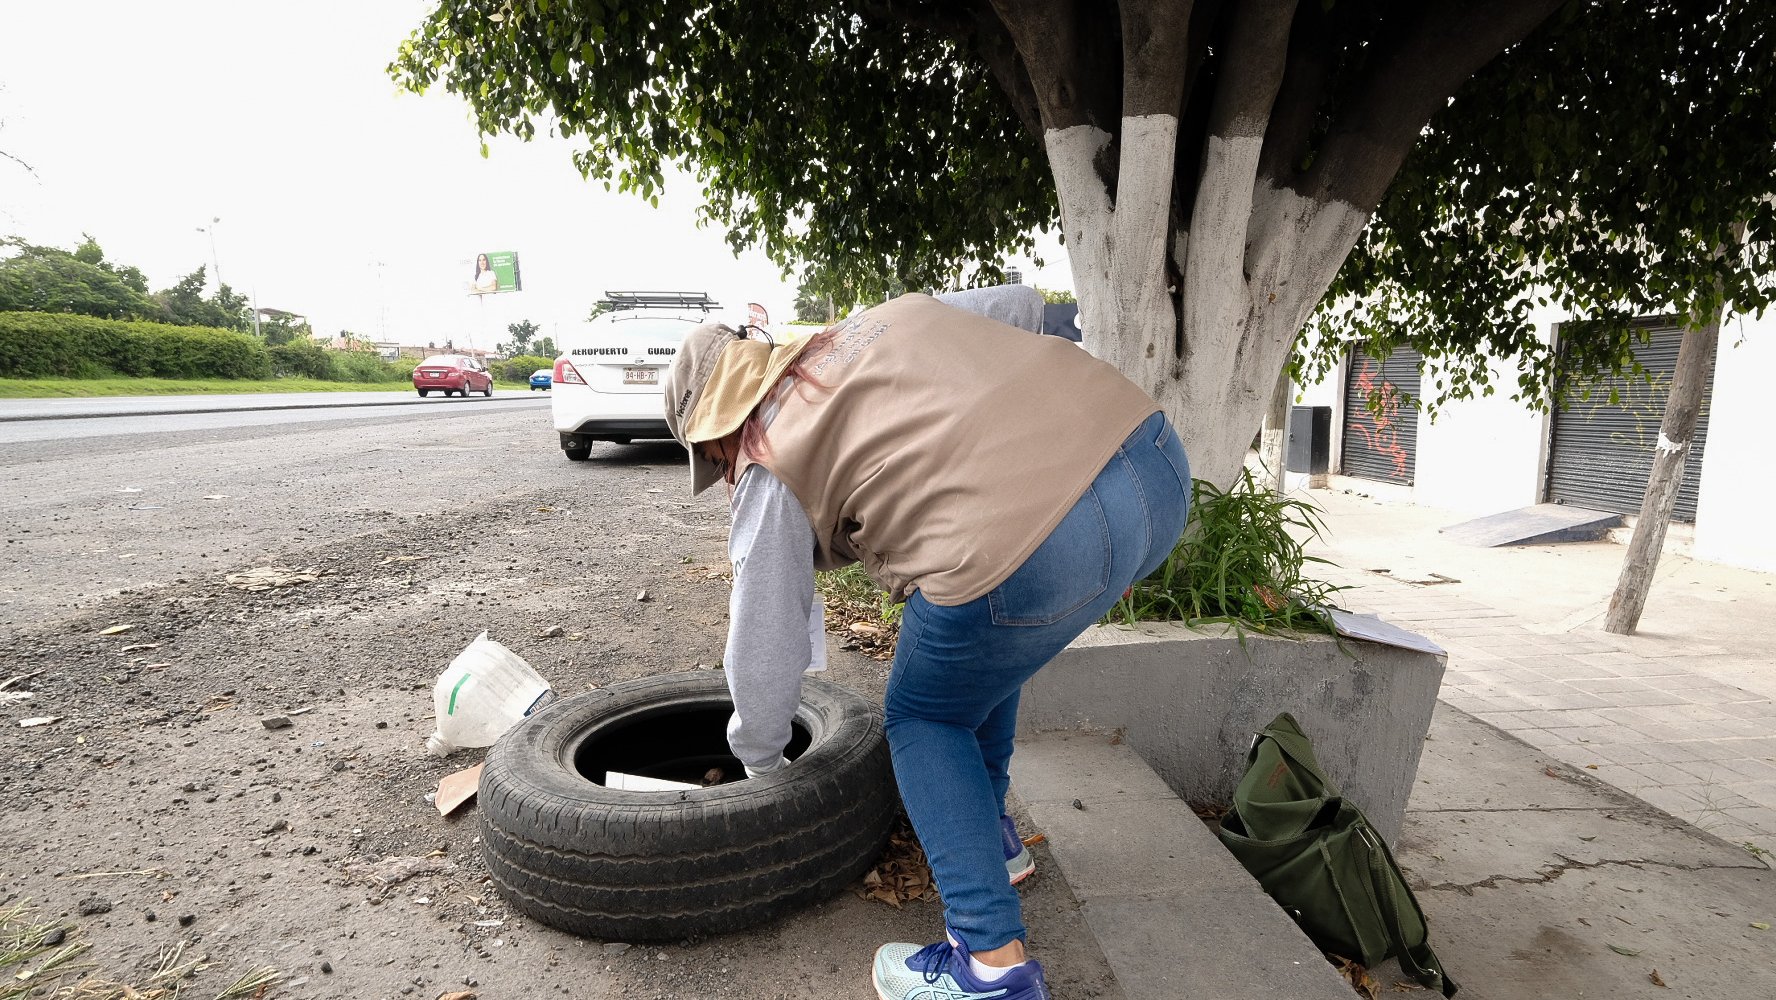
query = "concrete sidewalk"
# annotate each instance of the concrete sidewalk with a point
(1681, 715)
(1591, 815)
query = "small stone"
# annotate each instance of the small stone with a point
(382, 725)
(277, 796)
(554, 632)
(149, 916)
(187, 919)
(615, 948)
(278, 826)
(327, 968)
(190, 786)
(55, 937)
(93, 906)
(1078, 804)
(642, 594)
(276, 722)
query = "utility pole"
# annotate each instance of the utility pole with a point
(215, 261)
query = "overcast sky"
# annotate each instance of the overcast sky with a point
(339, 197)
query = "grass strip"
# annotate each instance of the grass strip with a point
(57, 388)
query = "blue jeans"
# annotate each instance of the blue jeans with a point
(952, 697)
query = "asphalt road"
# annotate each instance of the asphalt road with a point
(76, 420)
(99, 506)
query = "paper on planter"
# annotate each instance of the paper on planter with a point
(1371, 628)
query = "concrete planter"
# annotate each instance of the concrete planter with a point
(1189, 700)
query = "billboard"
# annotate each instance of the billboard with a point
(496, 271)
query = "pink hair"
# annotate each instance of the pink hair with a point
(752, 433)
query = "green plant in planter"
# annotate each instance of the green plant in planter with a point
(1240, 561)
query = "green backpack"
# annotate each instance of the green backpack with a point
(1317, 856)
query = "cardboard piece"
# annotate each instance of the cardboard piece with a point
(456, 789)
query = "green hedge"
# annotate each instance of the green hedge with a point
(42, 345)
(519, 367)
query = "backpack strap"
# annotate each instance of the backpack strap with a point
(1416, 958)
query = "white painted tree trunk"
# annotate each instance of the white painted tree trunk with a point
(1258, 265)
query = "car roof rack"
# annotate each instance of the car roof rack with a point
(659, 300)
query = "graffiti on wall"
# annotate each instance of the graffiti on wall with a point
(1378, 423)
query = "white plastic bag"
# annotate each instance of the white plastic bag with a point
(483, 693)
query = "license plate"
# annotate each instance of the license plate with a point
(433, 374)
(641, 376)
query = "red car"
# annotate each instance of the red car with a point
(450, 373)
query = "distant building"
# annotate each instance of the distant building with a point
(390, 350)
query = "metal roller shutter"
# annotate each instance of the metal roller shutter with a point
(1602, 452)
(1381, 445)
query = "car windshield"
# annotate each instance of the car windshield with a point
(442, 361)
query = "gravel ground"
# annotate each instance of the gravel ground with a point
(159, 810)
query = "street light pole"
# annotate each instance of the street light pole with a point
(215, 262)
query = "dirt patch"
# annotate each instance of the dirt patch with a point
(161, 811)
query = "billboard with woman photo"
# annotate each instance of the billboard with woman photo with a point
(495, 271)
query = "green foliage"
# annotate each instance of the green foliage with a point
(361, 366)
(37, 345)
(849, 593)
(1056, 296)
(184, 305)
(278, 329)
(45, 279)
(843, 134)
(518, 369)
(1241, 560)
(301, 357)
(813, 305)
(522, 332)
(1596, 168)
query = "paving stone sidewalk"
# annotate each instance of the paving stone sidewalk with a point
(1636, 713)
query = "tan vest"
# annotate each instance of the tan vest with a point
(946, 446)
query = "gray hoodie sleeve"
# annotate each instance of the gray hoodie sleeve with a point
(1017, 305)
(771, 545)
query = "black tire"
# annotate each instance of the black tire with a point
(424, 392)
(649, 866)
(579, 453)
(489, 390)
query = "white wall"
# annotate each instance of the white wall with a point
(1482, 455)
(1733, 516)
(1479, 456)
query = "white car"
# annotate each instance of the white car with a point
(606, 384)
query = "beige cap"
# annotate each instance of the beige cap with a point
(718, 378)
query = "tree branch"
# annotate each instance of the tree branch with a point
(1298, 101)
(1070, 52)
(1155, 43)
(1214, 282)
(1447, 43)
(1000, 53)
